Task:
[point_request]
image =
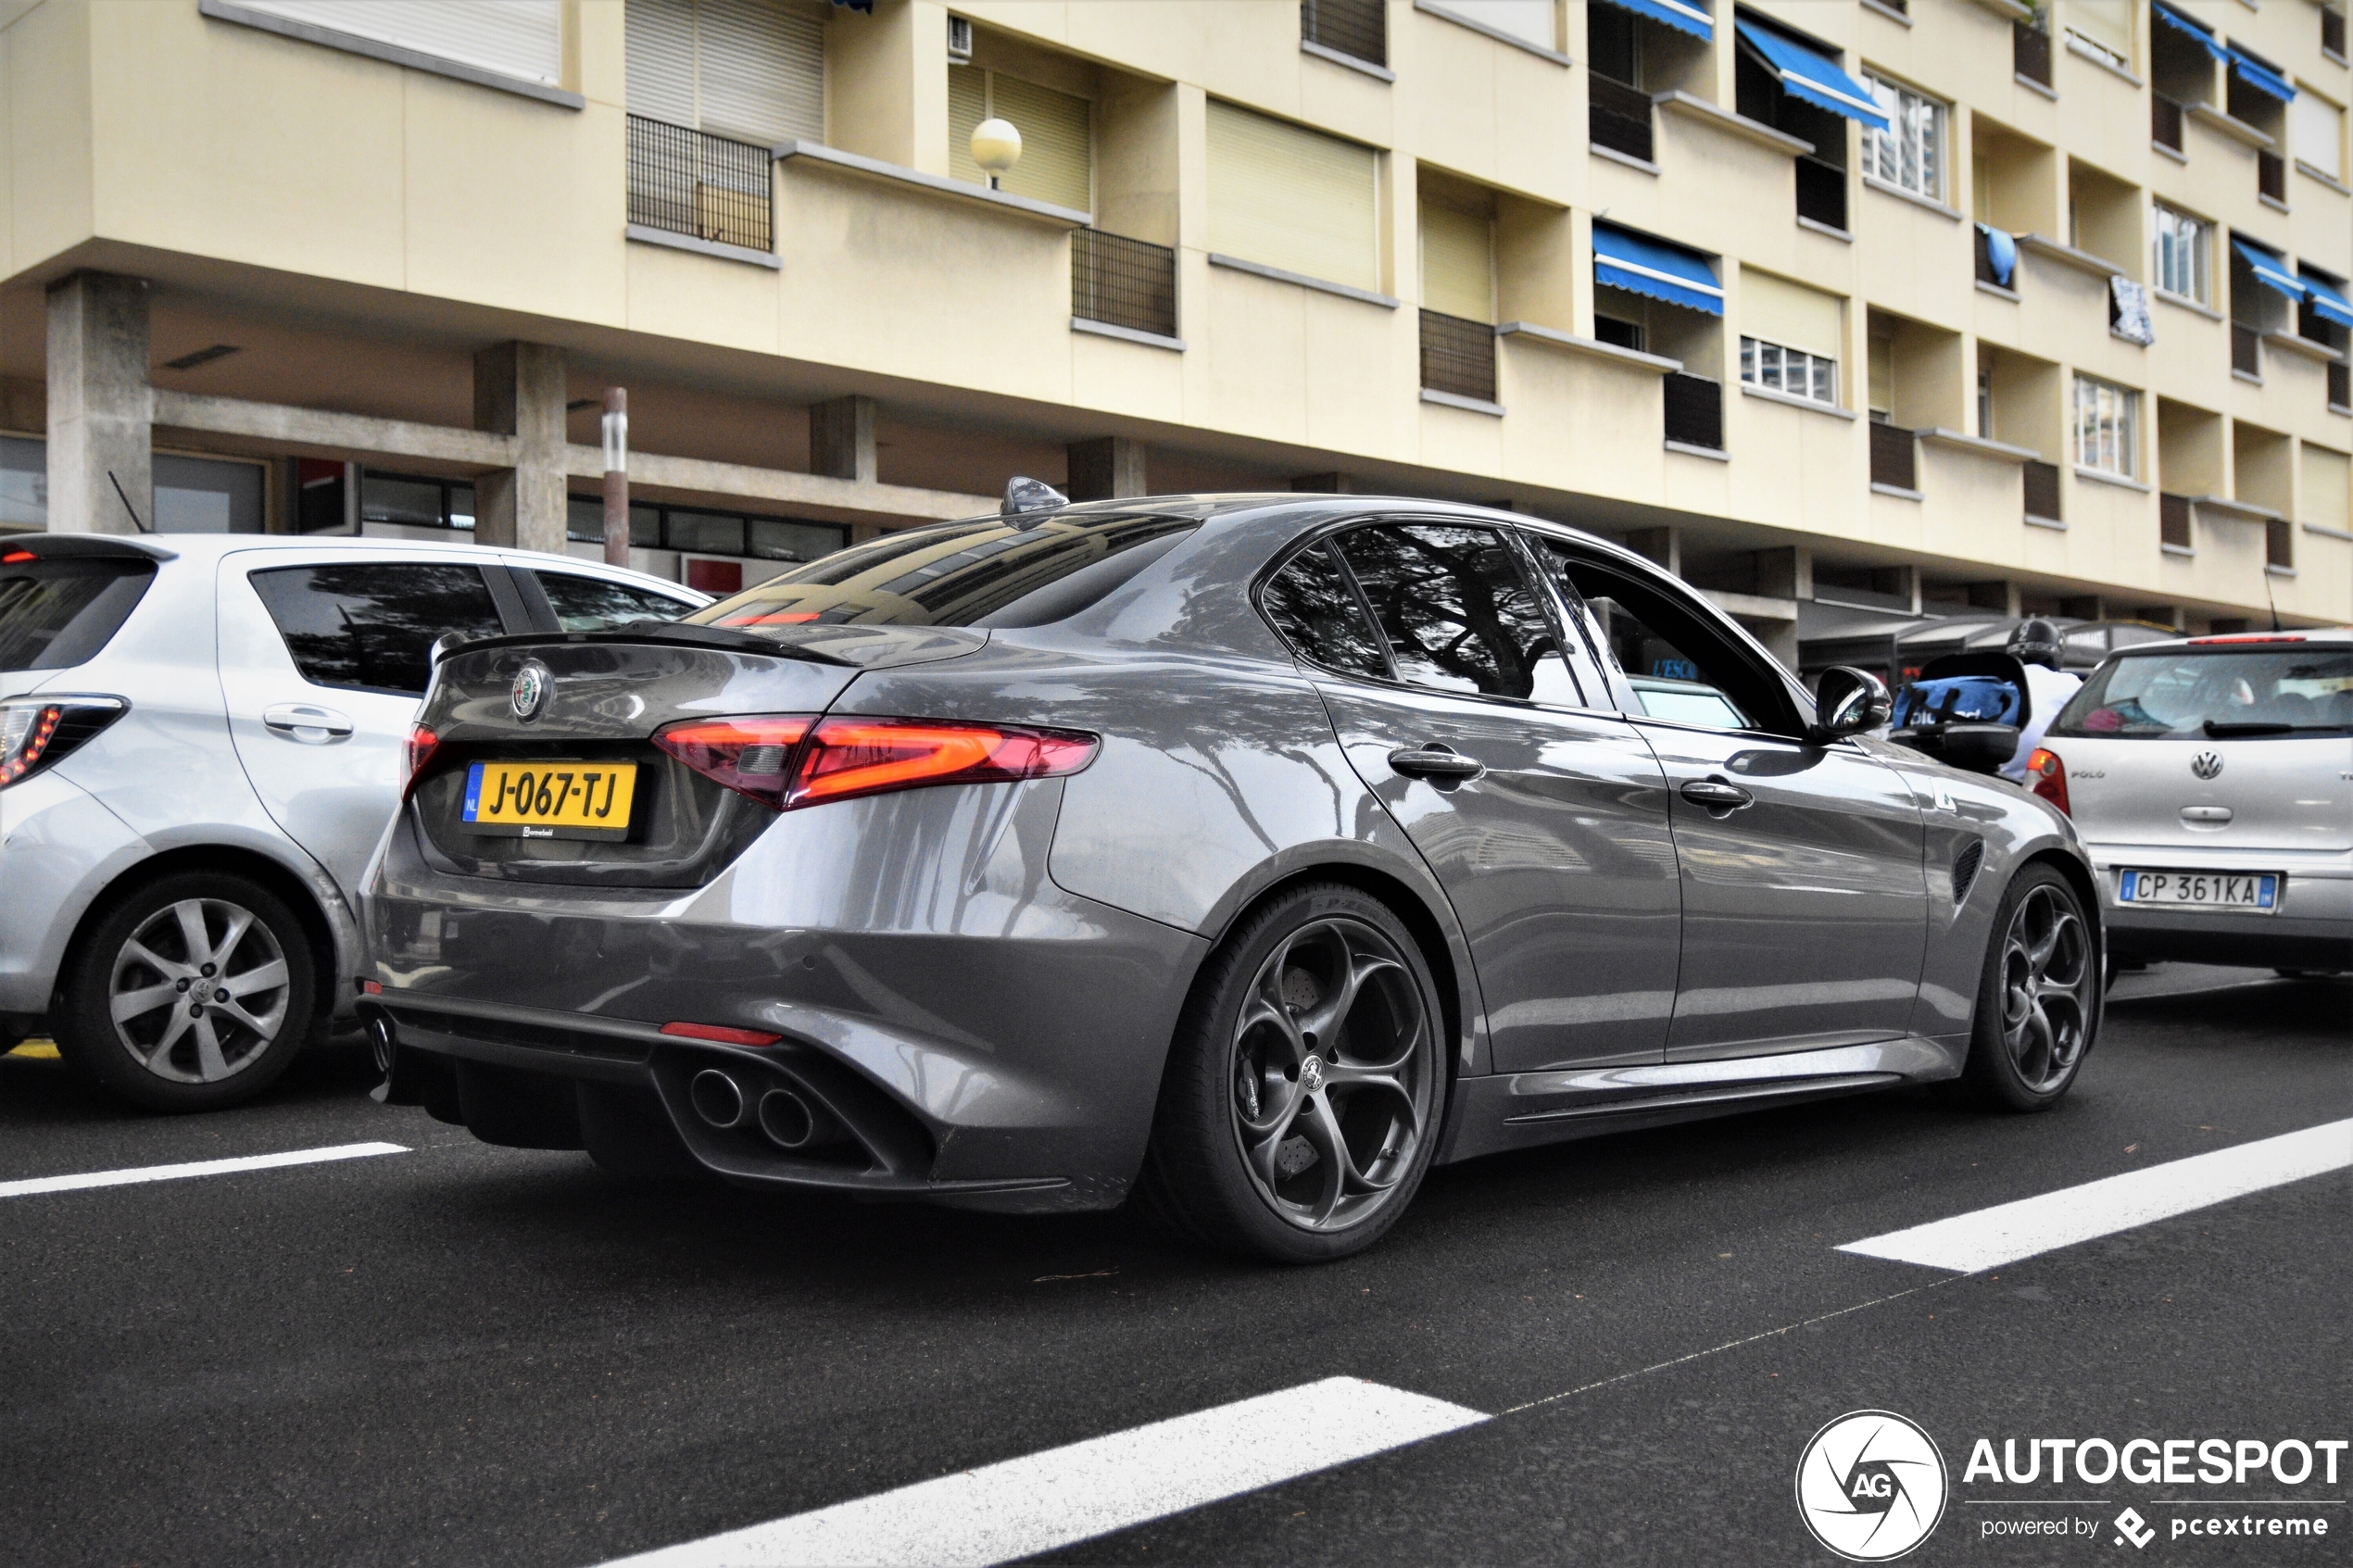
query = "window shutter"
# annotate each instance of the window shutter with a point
(1789, 314)
(2316, 127)
(1057, 133)
(1290, 198)
(967, 106)
(2108, 23)
(2326, 498)
(659, 36)
(1458, 268)
(519, 38)
(1529, 20)
(762, 70)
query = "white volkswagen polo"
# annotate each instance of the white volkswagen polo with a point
(2211, 780)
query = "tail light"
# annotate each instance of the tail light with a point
(789, 760)
(2046, 776)
(421, 742)
(35, 732)
(751, 756)
(722, 1034)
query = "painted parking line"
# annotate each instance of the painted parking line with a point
(1990, 1238)
(1063, 1496)
(197, 1168)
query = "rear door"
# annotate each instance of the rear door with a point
(322, 661)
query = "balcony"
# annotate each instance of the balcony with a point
(1694, 407)
(1620, 117)
(683, 181)
(2173, 521)
(1122, 283)
(2247, 349)
(1458, 357)
(2279, 544)
(2030, 53)
(2164, 122)
(1358, 29)
(2042, 490)
(1822, 192)
(2270, 175)
(1893, 457)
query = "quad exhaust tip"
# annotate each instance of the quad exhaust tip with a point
(788, 1121)
(716, 1098)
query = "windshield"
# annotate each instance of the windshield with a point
(984, 573)
(2195, 692)
(54, 614)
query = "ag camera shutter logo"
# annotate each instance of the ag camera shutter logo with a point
(1871, 1485)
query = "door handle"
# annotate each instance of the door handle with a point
(1720, 798)
(1435, 760)
(302, 722)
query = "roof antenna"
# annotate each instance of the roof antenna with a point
(144, 529)
(1029, 502)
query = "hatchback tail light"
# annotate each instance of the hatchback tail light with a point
(752, 755)
(421, 742)
(35, 732)
(2046, 776)
(787, 760)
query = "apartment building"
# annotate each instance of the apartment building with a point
(1851, 311)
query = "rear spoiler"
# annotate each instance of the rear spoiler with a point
(82, 546)
(657, 634)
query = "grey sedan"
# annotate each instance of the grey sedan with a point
(1250, 856)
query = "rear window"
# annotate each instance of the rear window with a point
(986, 573)
(592, 603)
(2210, 693)
(55, 614)
(371, 626)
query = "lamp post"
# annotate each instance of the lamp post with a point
(616, 476)
(996, 148)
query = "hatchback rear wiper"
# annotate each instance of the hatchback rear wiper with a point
(2249, 727)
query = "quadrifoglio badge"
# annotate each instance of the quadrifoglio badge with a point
(1871, 1485)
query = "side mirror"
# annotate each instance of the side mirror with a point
(1848, 701)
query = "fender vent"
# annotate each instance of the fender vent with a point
(1965, 866)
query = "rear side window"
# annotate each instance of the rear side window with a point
(55, 614)
(2243, 693)
(591, 604)
(1457, 611)
(371, 626)
(1318, 612)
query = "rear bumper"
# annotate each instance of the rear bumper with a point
(60, 848)
(2313, 928)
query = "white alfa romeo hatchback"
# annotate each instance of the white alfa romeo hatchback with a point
(201, 739)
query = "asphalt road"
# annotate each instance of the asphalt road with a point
(467, 1355)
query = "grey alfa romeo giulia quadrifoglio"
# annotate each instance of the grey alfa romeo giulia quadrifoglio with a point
(1249, 854)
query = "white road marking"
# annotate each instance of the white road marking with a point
(197, 1168)
(1049, 1499)
(1990, 1238)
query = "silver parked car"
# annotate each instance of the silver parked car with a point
(1261, 851)
(201, 739)
(2211, 779)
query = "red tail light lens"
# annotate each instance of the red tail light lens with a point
(854, 756)
(2046, 776)
(34, 734)
(722, 1034)
(421, 742)
(751, 755)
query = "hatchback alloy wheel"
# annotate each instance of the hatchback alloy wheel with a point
(199, 991)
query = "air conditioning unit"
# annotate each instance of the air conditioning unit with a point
(960, 40)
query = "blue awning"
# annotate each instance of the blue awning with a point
(2269, 270)
(1657, 270)
(1806, 75)
(2194, 30)
(1685, 16)
(2260, 77)
(2329, 305)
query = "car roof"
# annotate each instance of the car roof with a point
(204, 547)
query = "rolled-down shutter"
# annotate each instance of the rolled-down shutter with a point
(2327, 497)
(1057, 133)
(519, 38)
(763, 68)
(2316, 127)
(967, 106)
(1458, 267)
(2108, 23)
(1777, 311)
(1286, 197)
(1529, 21)
(659, 37)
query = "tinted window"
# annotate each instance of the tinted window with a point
(54, 614)
(1650, 632)
(1689, 705)
(1456, 611)
(1316, 611)
(982, 573)
(371, 626)
(591, 604)
(2268, 690)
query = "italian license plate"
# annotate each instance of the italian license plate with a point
(549, 800)
(2256, 893)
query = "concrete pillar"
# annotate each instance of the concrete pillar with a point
(2001, 598)
(1664, 546)
(100, 406)
(1110, 467)
(841, 439)
(518, 391)
(1785, 573)
(282, 496)
(1323, 484)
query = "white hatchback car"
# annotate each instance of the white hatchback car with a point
(201, 740)
(2211, 780)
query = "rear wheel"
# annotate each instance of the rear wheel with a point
(193, 993)
(2038, 1000)
(1305, 1084)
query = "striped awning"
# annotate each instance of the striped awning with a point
(2327, 303)
(1656, 269)
(2269, 270)
(1811, 78)
(1684, 16)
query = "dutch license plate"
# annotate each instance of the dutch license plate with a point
(549, 800)
(2257, 893)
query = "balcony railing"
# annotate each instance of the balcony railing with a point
(2341, 385)
(2270, 175)
(2279, 543)
(2247, 349)
(2173, 521)
(1358, 29)
(1695, 411)
(1620, 117)
(706, 186)
(2030, 53)
(2164, 122)
(2042, 490)
(1122, 282)
(1893, 457)
(1458, 357)
(1822, 192)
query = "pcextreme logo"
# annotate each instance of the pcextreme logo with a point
(1871, 1485)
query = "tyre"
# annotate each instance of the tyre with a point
(2038, 1002)
(1305, 1086)
(193, 993)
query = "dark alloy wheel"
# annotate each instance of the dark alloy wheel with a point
(2038, 1005)
(1302, 1099)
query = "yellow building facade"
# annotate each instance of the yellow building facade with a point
(1849, 312)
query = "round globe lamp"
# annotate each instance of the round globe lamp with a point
(996, 148)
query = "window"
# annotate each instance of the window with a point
(1910, 155)
(1791, 371)
(1358, 29)
(1457, 611)
(1289, 197)
(751, 69)
(24, 482)
(2274, 692)
(1790, 337)
(701, 533)
(1316, 609)
(2105, 27)
(2180, 264)
(407, 501)
(1057, 135)
(1530, 21)
(2107, 427)
(372, 627)
(55, 614)
(591, 604)
(205, 496)
(2316, 128)
(521, 38)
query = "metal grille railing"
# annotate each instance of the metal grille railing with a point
(1122, 282)
(1458, 357)
(2270, 175)
(1358, 29)
(2165, 121)
(1620, 117)
(2279, 541)
(2043, 491)
(1893, 457)
(689, 183)
(2173, 521)
(1822, 192)
(2341, 385)
(1694, 409)
(2247, 349)
(2030, 53)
